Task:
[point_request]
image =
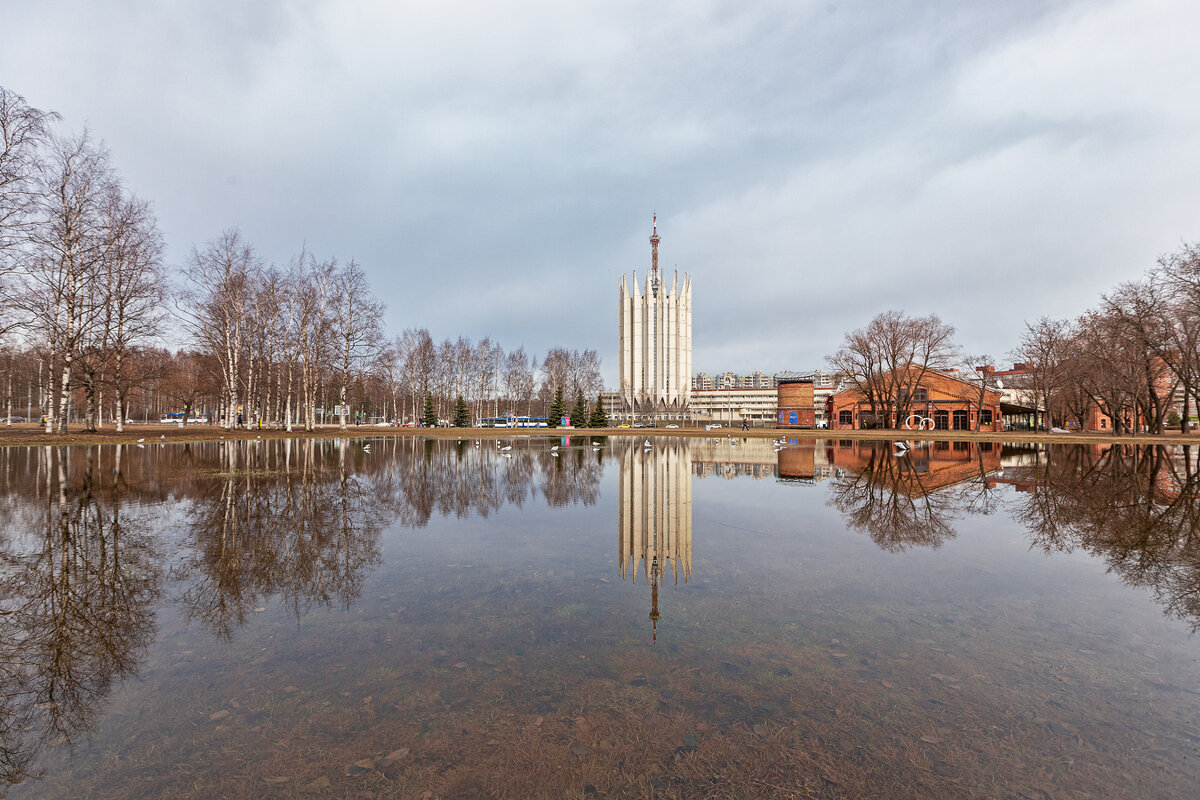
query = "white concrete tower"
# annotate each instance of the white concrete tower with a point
(655, 347)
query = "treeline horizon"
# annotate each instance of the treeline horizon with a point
(88, 304)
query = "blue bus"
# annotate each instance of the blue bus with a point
(176, 419)
(514, 422)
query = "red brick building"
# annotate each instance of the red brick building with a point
(939, 401)
(795, 404)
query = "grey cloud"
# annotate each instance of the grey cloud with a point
(812, 163)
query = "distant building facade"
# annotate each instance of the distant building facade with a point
(702, 381)
(655, 343)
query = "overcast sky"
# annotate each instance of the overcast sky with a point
(494, 165)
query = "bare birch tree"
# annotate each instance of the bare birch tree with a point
(357, 321)
(519, 379)
(418, 364)
(312, 326)
(24, 133)
(130, 292)
(68, 241)
(216, 305)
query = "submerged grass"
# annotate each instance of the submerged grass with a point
(452, 709)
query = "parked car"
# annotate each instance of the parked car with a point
(15, 418)
(672, 425)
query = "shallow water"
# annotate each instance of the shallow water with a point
(692, 618)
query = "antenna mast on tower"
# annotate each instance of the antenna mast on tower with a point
(654, 256)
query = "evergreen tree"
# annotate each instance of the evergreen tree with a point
(557, 409)
(429, 415)
(579, 412)
(462, 415)
(599, 418)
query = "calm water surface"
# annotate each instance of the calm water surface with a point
(599, 618)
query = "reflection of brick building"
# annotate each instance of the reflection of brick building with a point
(798, 462)
(949, 403)
(923, 468)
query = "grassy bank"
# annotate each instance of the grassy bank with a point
(24, 435)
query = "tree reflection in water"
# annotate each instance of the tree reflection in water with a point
(79, 583)
(301, 518)
(83, 560)
(291, 518)
(904, 496)
(1136, 507)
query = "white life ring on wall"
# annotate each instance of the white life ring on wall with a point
(908, 422)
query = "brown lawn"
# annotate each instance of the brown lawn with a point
(25, 434)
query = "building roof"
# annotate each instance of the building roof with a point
(796, 376)
(992, 394)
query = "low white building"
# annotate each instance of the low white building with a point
(733, 406)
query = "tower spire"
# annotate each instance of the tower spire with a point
(654, 615)
(654, 240)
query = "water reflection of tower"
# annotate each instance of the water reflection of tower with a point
(655, 515)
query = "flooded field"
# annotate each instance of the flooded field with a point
(578, 617)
